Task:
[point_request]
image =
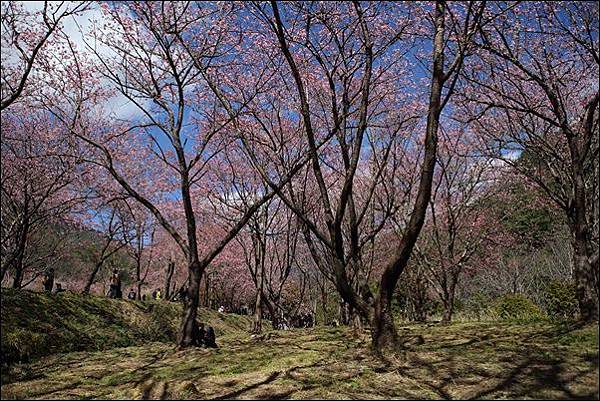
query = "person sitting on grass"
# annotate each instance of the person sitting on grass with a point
(131, 295)
(198, 334)
(58, 289)
(210, 338)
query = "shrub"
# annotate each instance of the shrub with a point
(560, 299)
(517, 307)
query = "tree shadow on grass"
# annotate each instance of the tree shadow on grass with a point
(490, 367)
(272, 377)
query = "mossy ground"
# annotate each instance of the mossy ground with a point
(459, 361)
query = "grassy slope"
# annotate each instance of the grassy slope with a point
(464, 360)
(37, 324)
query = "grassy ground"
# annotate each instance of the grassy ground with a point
(464, 360)
(37, 324)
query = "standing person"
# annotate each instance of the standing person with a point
(158, 294)
(48, 280)
(114, 284)
(117, 275)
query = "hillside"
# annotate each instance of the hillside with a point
(37, 324)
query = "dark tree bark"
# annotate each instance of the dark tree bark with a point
(109, 248)
(17, 262)
(168, 278)
(186, 332)
(380, 314)
(92, 277)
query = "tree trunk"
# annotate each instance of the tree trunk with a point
(384, 334)
(206, 291)
(258, 314)
(324, 304)
(138, 276)
(170, 271)
(260, 281)
(584, 272)
(18, 260)
(186, 331)
(18, 279)
(383, 331)
(356, 323)
(92, 278)
(448, 309)
(344, 316)
(449, 296)
(584, 277)
(275, 321)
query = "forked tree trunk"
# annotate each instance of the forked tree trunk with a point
(384, 333)
(448, 299)
(448, 309)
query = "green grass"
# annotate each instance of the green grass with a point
(37, 324)
(463, 360)
(466, 360)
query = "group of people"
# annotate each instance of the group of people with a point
(156, 295)
(302, 320)
(204, 337)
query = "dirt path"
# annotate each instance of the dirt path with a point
(460, 361)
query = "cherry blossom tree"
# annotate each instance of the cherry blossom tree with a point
(459, 225)
(180, 136)
(535, 93)
(106, 221)
(139, 232)
(352, 82)
(26, 41)
(41, 175)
